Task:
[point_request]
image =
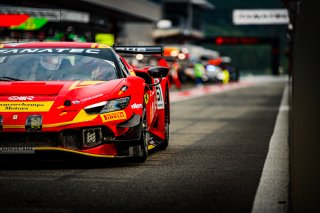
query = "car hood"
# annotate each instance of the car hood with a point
(56, 101)
(53, 88)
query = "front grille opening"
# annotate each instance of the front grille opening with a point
(70, 139)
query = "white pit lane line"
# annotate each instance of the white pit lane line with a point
(207, 90)
(273, 192)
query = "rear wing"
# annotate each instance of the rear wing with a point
(139, 49)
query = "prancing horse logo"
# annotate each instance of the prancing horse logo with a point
(15, 117)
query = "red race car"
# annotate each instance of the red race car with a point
(82, 98)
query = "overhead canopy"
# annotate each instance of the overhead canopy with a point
(201, 3)
(140, 10)
(121, 10)
(55, 15)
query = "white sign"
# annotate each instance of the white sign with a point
(54, 15)
(260, 16)
(164, 24)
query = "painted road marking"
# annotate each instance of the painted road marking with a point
(207, 90)
(272, 193)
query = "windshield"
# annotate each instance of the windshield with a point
(55, 67)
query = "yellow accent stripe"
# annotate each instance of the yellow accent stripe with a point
(74, 85)
(72, 151)
(103, 46)
(132, 72)
(81, 84)
(94, 45)
(81, 117)
(13, 126)
(64, 113)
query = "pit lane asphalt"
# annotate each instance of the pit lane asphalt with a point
(218, 146)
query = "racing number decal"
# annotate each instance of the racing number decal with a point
(160, 101)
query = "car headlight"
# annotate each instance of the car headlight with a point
(108, 106)
(115, 105)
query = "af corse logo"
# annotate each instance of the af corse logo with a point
(21, 98)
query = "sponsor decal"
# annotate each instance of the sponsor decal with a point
(76, 102)
(30, 106)
(146, 98)
(260, 16)
(87, 99)
(160, 105)
(21, 98)
(91, 98)
(16, 150)
(136, 106)
(50, 50)
(113, 116)
(132, 49)
(14, 44)
(15, 117)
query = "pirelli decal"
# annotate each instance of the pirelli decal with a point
(113, 116)
(28, 106)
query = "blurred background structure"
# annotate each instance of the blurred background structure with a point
(84, 20)
(254, 48)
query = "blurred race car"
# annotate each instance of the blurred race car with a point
(82, 98)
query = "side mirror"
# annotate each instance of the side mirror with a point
(158, 72)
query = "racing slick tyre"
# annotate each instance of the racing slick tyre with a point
(165, 143)
(144, 140)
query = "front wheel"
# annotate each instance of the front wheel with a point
(144, 139)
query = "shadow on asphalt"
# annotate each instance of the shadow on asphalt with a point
(45, 161)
